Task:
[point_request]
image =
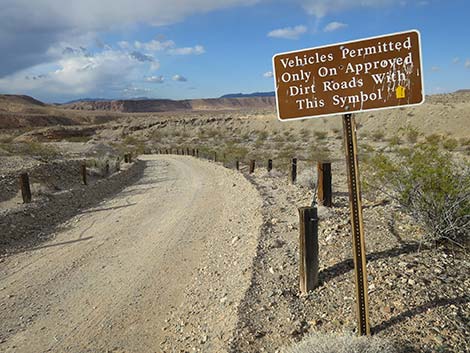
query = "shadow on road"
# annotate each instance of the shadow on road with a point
(60, 244)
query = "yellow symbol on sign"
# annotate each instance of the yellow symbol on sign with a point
(400, 91)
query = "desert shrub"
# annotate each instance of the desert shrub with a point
(304, 133)
(33, 149)
(365, 148)
(278, 138)
(433, 139)
(320, 135)
(306, 178)
(334, 343)
(395, 140)
(429, 185)
(450, 144)
(262, 135)
(134, 145)
(464, 142)
(104, 165)
(411, 133)
(318, 153)
(378, 135)
(78, 138)
(211, 133)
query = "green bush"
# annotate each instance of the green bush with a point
(395, 140)
(411, 133)
(321, 135)
(427, 183)
(378, 135)
(433, 139)
(33, 149)
(450, 144)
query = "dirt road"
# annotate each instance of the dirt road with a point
(177, 245)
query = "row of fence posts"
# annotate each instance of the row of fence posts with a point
(324, 185)
(308, 218)
(25, 185)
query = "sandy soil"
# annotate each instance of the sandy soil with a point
(113, 277)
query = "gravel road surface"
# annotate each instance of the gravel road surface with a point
(178, 245)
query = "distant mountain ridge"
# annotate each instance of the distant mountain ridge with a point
(167, 105)
(249, 95)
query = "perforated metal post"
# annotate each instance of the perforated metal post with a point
(359, 251)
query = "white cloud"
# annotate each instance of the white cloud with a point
(78, 74)
(155, 79)
(334, 26)
(179, 78)
(467, 64)
(288, 32)
(196, 50)
(320, 8)
(134, 92)
(124, 44)
(456, 60)
(48, 22)
(155, 45)
(268, 74)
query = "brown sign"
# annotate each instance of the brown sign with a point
(373, 73)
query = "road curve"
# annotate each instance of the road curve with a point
(176, 245)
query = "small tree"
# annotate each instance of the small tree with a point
(430, 185)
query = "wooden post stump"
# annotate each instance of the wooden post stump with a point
(237, 164)
(83, 173)
(270, 165)
(324, 193)
(252, 166)
(293, 171)
(308, 247)
(25, 188)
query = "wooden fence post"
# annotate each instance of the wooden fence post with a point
(293, 171)
(252, 166)
(237, 164)
(106, 168)
(308, 247)
(197, 152)
(83, 173)
(324, 193)
(25, 188)
(270, 165)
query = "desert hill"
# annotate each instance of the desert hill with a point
(18, 103)
(165, 105)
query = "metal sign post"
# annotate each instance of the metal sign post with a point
(355, 204)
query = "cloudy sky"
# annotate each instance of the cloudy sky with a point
(58, 51)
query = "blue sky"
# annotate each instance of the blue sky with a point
(192, 49)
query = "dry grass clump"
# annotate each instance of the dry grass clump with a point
(334, 343)
(306, 178)
(104, 166)
(320, 135)
(378, 135)
(32, 149)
